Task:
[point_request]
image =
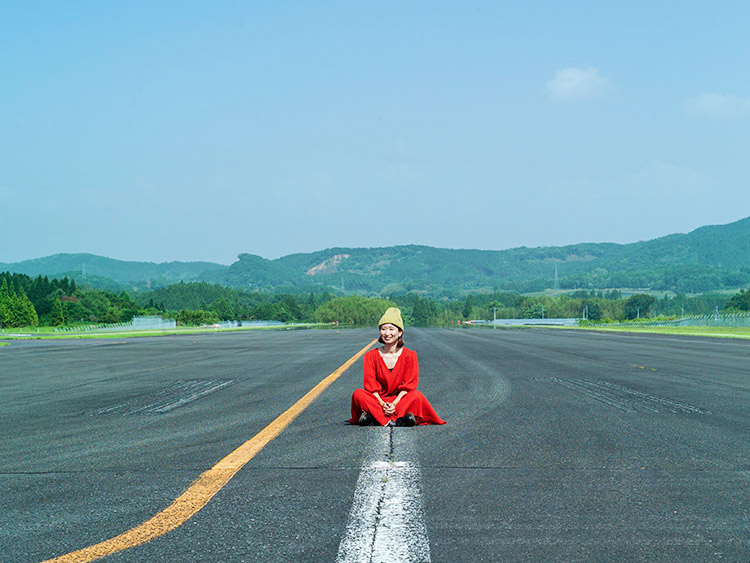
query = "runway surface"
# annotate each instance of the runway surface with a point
(560, 446)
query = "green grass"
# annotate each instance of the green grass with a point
(715, 331)
(49, 332)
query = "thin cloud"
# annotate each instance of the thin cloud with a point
(719, 106)
(575, 84)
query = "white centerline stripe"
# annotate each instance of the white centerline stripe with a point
(386, 522)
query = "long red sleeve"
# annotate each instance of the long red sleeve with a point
(410, 373)
(371, 383)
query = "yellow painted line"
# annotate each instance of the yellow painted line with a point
(207, 485)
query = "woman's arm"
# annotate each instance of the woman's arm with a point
(411, 373)
(388, 408)
(370, 381)
(397, 399)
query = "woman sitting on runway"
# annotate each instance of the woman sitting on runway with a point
(391, 374)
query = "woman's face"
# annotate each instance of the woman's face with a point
(389, 333)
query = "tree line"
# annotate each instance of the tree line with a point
(40, 301)
(594, 305)
(16, 308)
(26, 301)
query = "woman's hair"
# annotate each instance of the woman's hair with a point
(399, 342)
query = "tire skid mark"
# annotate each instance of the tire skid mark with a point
(626, 398)
(501, 388)
(179, 394)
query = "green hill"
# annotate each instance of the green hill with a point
(254, 272)
(93, 269)
(709, 258)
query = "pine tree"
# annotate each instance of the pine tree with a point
(25, 312)
(58, 317)
(6, 305)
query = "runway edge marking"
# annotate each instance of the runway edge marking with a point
(203, 489)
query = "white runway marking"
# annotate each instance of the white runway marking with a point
(386, 522)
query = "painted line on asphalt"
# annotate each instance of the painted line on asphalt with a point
(386, 522)
(207, 485)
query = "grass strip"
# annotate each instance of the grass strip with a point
(49, 335)
(713, 331)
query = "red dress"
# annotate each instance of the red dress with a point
(379, 379)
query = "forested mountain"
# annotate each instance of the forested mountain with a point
(254, 272)
(108, 273)
(709, 258)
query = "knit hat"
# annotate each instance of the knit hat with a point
(392, 316)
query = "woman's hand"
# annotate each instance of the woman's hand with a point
(389, 409)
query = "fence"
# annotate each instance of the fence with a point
(716, 319)
(527, 322)
(138, 323)
(237, 324)
(720, 320)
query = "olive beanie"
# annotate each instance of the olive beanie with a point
(392, 316)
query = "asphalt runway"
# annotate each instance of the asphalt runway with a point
(560, 446)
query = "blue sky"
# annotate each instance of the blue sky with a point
(159, 131)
